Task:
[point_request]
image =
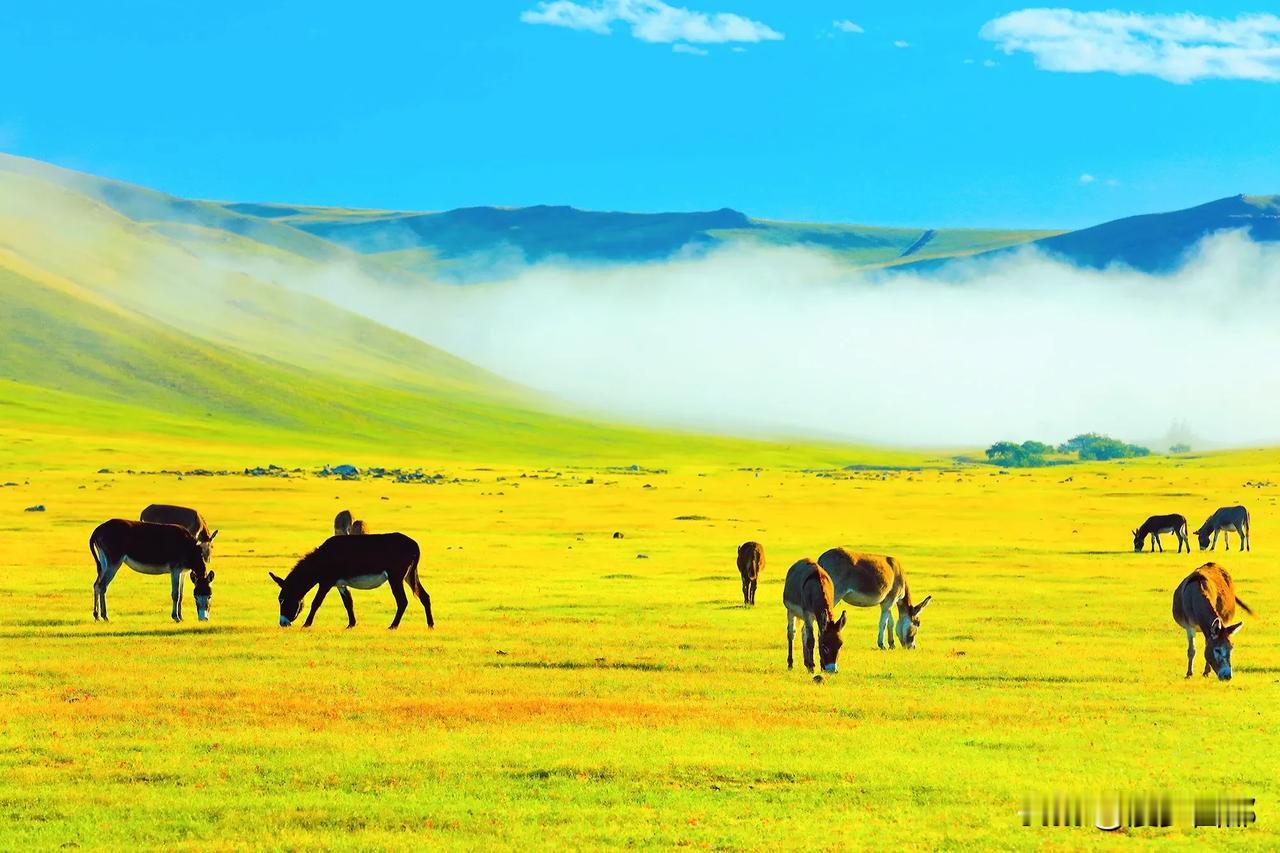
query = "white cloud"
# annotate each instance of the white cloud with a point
(989, 63)
(1179, 48)
(651, 21)
(681, 47)
(1086, 178)
(901, 43)
(847, 26)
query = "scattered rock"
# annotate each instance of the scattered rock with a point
(642, 556)
(617, 534)
(36, 508)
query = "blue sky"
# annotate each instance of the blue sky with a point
(922, 114)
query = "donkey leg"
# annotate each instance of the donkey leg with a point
(808, 643)
(321, 592)
(425, 598)
(97, 579)
(754, 582)
(175, 583)
(1159, 543)
(791, 639)
(104, 580)
(1191, 650)
(746, 591)
(402, 601)
(349, 604)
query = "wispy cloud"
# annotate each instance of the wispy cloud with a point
(846, 26)
(651, 21)
(1086, 178)
(681, 47)
(901, 43)
(1179, 48)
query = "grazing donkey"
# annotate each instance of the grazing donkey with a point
(342, 523)
(183, 517)
(750, 564)
(807, 594)
(1205, 601)
(150, 549)
(358, 528)
(867, 580)
(1227, 519)
(353, 562)
(1157, 524)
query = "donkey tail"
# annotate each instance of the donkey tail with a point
(1246, 608)
(415, 584)
(93, 552)
(412, 577)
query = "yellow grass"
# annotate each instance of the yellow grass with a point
(574, 694)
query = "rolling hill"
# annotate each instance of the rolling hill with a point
(117, 326)
(1158, 242)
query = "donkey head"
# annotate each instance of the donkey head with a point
(909, 621)
(1137, 540)
(1217, 648)
(290, 602)
(358, 528)
(205, 540)
(202, 592)
(1203, 536)
(829, 643)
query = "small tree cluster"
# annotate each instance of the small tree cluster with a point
(1092, 446)
(1029, 454)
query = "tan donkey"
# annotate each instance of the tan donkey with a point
(1206, 601)
(868, 580)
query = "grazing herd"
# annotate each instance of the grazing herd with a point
(1227, 519)
(176, 541)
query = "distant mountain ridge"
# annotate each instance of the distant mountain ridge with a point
(1158, 242)
(481, 243)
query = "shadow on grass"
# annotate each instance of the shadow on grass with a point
(89, 633)
(573, 664)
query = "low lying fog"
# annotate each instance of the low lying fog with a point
(790, 341)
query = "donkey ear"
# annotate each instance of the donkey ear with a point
(844, 614)
(276, 578)
(1216, 627)
(208, 578)
(1231, 629)
(213, 536)
(922, 605)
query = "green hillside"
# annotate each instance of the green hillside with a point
(115, 326)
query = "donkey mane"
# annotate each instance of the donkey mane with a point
(312, 556)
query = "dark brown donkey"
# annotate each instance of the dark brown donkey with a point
(359, 528)
(354, 562)
(1205, 601)
(807, 593)
(750, 564)
(183, 517)
(149, 549)
(1225, 520)
(1157, 524)
(342, 523)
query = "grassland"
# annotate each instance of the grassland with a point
(574, 693)
(579, 689)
